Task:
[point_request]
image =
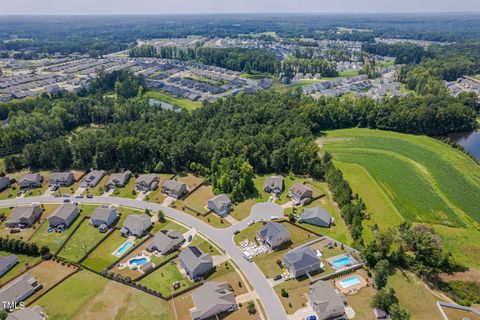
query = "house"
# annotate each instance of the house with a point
(166, 241)
(30, 181)
(174, 189)
(301, 261)
(325, 301)
(17, 291)
(92, 178)
(7, 263)
(24, 216)
(118, 180)
(273, 184)
(103, 215)
(4, 182)
(34, 313)
(220, 204)
(274, 234)
(195, 262)
(147, 182)
(300, 194)
(63, 215)
(316, 216)
(380, 314)
(63, 179)
(212, 299)
(136, 225)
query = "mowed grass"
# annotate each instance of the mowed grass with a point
(84, 239)
(181, 102)
(162, 279)
(414, 178)
(23, 263)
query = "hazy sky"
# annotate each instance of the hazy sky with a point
(228, 6)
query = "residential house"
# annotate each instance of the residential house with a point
(274, 234)
(4, 182)
(118, 180)
(300, 194)
(30, 181)
(147, 182)
(24, 216)
(325, 301)
(136, 225)
(17, 291)
(166, 241)
(92, 178)
(63, 215)
(174, 189)
(316, 216)
(33, 313)
(7, 263)
(301, 261)
(63, 179)
(273, 184)
(220, 204)
(195, 262)
(212, 299)
(104, 215)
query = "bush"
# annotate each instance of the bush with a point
(284, 293)
(251, 308)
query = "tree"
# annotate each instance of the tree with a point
(380, 276)
(251, 308)
(397, 313)
(161, 216)
(384, 298)
(284, 293)
(3, 314)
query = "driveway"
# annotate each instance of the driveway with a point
(221, 237)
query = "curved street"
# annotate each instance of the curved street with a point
(223, 238)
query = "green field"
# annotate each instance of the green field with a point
(181, 102)
(415, 178)
(84, 239)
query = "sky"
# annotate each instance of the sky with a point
(61, 7)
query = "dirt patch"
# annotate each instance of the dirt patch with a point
(472, 275)
(105, 305)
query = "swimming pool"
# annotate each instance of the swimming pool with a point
(348, 282)
(138, 261)
(127, 245)
(342, 261)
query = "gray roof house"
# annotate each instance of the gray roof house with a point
(4, 182)
(166, 241)
(33, 313)
(316, 216)
(147, 182)
(325, 301)
(174, 189)
(212, 299)
(300, 194)
(25, 216)
(64, 214)
(29, 181)
(119, 180)
(18, 290)
(7, 263)
(273, 184)
(301, 261)
(92, 178)
(103, 215)
(274, 234)
(195, 262)
(63, 179)
(136, 224)
(220, 204)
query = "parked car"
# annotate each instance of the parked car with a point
(236, 232)
(274, 218)
(79, 196)
(277, 277)
(66, 200)
(251, 222)
(311, 318)
(189, 238)
(89, 196)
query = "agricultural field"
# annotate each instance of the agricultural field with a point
(414, 178)
(89, 296)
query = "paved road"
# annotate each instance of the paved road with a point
(222, 237)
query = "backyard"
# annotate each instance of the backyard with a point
(23, 262)
(162, 279)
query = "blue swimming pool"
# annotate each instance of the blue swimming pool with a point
(138, 261)
(342, 261)
(127, 245)
(348, 282)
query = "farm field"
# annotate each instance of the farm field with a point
(414, 178)
(90, 296)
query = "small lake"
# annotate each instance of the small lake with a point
(470, 141)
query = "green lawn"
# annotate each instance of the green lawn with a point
(99, 188)
(126, 192)
(85, 238)
(169, 224)
(23, 261)
(204, 245)
(162, 279)
(102, 256)
(415, 178)
(181, 102)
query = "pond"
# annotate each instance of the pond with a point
(470, 141)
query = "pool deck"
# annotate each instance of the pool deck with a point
(331, 261)
(118, 254)
(351, 289)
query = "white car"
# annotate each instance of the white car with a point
(251, 222)
(274, 218)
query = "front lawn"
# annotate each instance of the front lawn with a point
(126, 192)
(242, 210)
(297, 294)
(198, 200)
(212, 218)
